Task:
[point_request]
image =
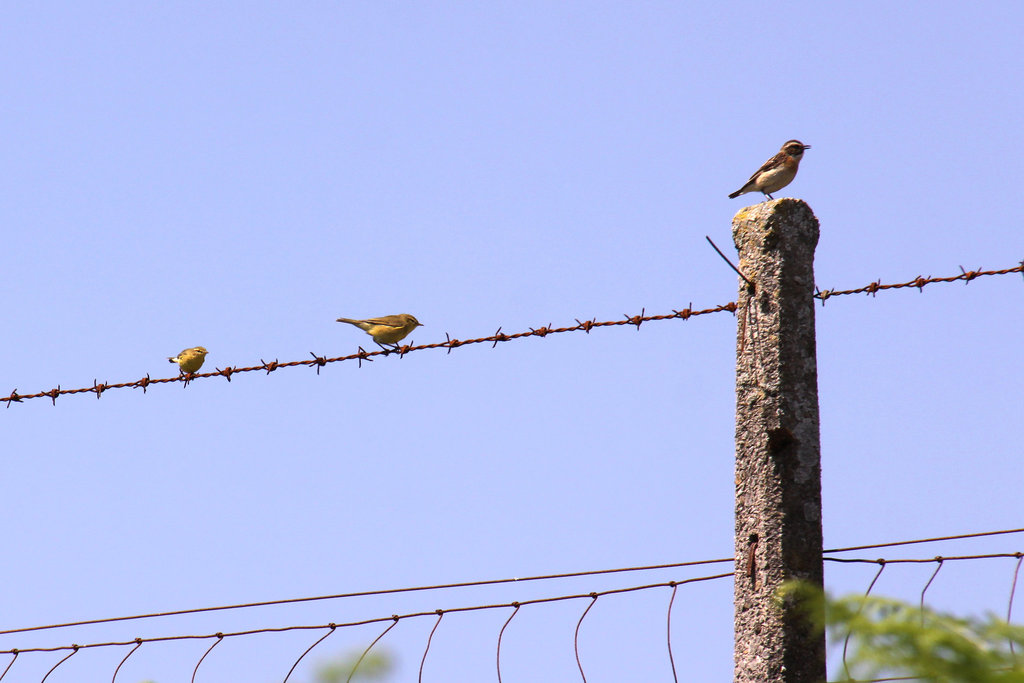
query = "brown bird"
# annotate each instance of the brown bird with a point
(388, 329)
(777, 172)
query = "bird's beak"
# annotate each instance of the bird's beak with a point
(807, 146)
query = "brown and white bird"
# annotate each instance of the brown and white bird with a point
(777, 172)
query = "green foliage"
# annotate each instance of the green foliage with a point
(374, 666)
(892, 638)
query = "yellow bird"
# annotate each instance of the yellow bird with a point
(190, 360)
(388, 329)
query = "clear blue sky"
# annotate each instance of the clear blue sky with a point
(238, 175)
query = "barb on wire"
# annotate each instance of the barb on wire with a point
(359, 661)
(450, 343)
(220, 637)
(74, 650)
(671, 659)
(440, 615)
(361, 355)
(918, 282)
(138, 644)
(576, 637)
(332, 626)
(501, 633)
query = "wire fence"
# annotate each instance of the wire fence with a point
(317, 361)
(391, 621)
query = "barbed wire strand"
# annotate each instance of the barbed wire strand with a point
(576, 637)
(401, 350)
(1013, 589)
(318, 361)
(138, 644)
(849, 632)
(919, 282)
(220, 638)
(502, 633)
(440, 615)
(934, 539)
(322, 638)
(927, 585)
(367, 650)
(671, 659)
(74, 651)
(360, 594)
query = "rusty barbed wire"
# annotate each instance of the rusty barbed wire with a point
(919, 282)
(363, 355)
(318, 361)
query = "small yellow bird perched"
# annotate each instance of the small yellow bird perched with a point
(388, 329)
(190, 360)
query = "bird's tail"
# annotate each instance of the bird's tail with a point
(350, 321)
(735, 194)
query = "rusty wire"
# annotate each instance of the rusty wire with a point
(934, 539)
(10, 663)
(939, 560)
(220, 637)
(322, 638)
(918, 282)
(74, 651)
(516, 606)
(576, 637)
(668, 629)
(501, 633)
(367, 650)
(377, 620)
(1013, 589)
(846, 640)
(919, 560)
(362, 594)
(318, 361)
(138, 644)
(440, 615)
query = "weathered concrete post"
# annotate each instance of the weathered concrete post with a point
(778, 452)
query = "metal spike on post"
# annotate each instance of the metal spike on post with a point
(778, 450)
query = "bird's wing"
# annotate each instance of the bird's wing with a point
(774, 161)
